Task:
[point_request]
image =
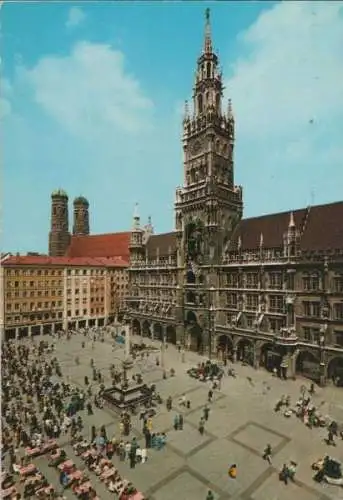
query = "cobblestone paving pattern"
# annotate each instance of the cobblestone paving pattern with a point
(241, 423)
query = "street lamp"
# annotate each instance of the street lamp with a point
(163, 347)
(212, 320)
(321, 343)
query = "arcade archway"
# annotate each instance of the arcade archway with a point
(194, 330)
(158, 332)
(271, 357)
(224, 346)
(10, 334)
(308, 365)
(46, 329)
(171, 334)
(191, 279)
(335, 370)
(136, 327)
(23, 332)
(245, 351)
(35, 330)
(146, 329)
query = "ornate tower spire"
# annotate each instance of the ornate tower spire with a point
(59, 236)
(136, 240)
(81, 216)
(291, 220)
(208, 37)
(230, 116)
(136, 217)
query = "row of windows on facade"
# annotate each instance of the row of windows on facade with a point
(168, 279)
(54, 272)
(34, 293)
(23, 306)
(84, 291)
(276, 282)
(34, 272)
(277, 303)
(151, 294)
(274, 325)
(35, 284)
(155, 261)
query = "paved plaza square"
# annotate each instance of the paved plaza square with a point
(241, 423)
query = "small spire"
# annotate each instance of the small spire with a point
(135, 212)
(136, 217)
(239, 243)
(229, 110)
(208, 38)
(291, 220)
(186, 111)
(261, 240)
(149, 220)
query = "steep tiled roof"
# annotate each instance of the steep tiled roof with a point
(163, 242)
(324, 228)
(100, 245)
(321, 228)
(45, 260)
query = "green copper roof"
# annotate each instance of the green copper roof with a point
(81, 200)
(59, 192)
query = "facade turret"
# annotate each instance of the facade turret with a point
(291, 238)
(136, 239)
(59, 236)
(81, 216)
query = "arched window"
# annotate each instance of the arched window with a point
(208, 70)
(191, 277)
(218, 102)
(200, 103)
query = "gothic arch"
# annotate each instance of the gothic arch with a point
(190, 277)
(225, 343)
(194, 331)
(136, 327)
(208, 69)
(335, 368)
(200, 103)
(245, 350)
(158, 332)
(171, 334)
(146, 328)
(267, 360)
(307, 364)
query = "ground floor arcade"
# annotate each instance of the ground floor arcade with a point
(320, 364)
(22, 331)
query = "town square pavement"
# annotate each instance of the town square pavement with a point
(241, 423)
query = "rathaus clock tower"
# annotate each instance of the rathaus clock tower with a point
(209, 205)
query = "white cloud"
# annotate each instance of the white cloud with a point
(89, 91)
(76, 16)
(5, 94)
(287, 94)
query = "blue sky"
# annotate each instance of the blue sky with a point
(91, 101)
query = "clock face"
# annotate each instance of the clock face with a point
(196, 149)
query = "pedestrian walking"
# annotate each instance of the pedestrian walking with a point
(267, 454)
(206, 412)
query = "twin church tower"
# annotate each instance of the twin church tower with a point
(59, 236)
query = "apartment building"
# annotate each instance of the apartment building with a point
(44, 294)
